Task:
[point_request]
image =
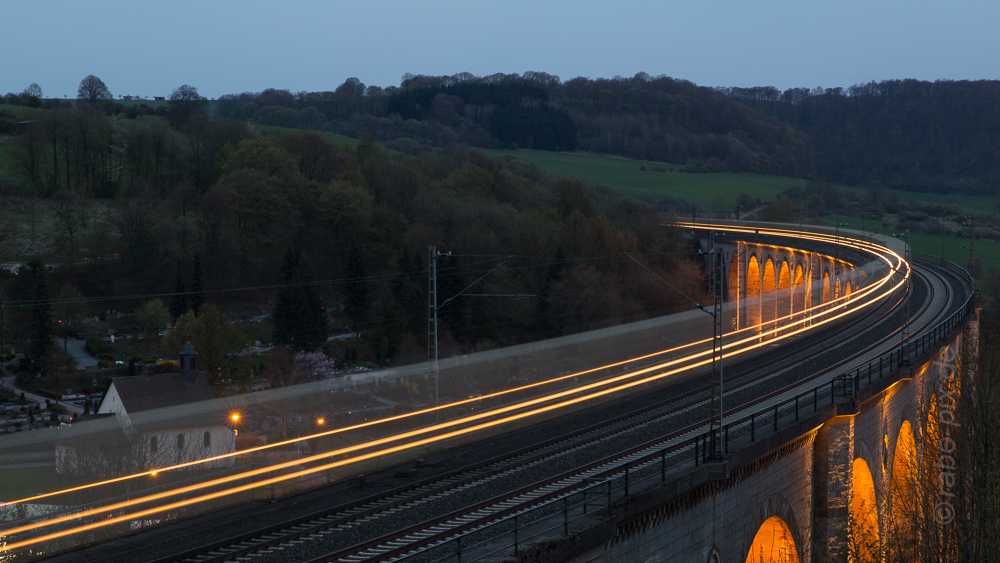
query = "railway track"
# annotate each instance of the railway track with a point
(662, 415)
(426, 535)
(277, 542)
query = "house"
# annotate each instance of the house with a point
(162, 420)
(159, 98)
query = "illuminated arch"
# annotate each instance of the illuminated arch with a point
(903, 516)
(768, 285)
(799, 301)
(865, 540)
(753, 292)
(827, 292)
(773, 535)
(784, 300)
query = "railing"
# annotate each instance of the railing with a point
(615, 482)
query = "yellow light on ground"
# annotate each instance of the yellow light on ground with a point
(320, 421)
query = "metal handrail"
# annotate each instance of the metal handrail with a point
(621, 476)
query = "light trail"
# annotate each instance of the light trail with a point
(732, 349)
(362, 457)
(160, 470)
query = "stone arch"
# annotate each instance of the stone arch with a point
(784, 300)
(799, 289)
(768, 285)
(865, 537)
(774, 517)
(827, 292)
(903, 514)
(753, 291)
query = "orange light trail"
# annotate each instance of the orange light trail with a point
(235, 416)
(362, 457)
(437, 438)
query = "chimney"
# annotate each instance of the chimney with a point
(189, 364)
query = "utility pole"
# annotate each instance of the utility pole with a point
(836, 262)
(715, 424)
(904, 344)
(716, 287)
(971, 265)
(432, 320)
(432, 312)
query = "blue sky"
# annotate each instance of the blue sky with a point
(221, 46)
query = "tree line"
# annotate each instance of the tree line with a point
(939, 136)
(326, 237)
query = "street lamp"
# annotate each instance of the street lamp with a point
(234, 419)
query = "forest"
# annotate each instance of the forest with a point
(939, 136)
(179, 218)
(231, 199)
(905, 134)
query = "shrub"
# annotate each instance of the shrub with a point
(97, 346)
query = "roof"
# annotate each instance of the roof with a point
(167, 398)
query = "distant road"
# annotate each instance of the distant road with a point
(77, 349)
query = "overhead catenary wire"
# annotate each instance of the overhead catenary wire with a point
(442, 272)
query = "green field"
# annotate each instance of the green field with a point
(213, 105)
(624, 174)
(21, 112)
(7, 156)
(987, 251)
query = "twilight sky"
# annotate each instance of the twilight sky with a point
(224, 46)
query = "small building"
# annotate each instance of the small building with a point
(166, 419)
(159, 98)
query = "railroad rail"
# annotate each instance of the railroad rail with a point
(522, 508)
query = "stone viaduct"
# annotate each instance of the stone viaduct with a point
(811, 493)
(835, 483)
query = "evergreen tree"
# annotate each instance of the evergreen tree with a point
(356, 291)
(197, 285)
(299, 316)
(41, 317)
(178, 299)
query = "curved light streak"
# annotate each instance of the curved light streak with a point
(731, 349)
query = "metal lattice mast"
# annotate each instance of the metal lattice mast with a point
(432, 321)
(904, 360)
(715, 422)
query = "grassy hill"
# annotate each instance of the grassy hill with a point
(704, 189)
(625, 174)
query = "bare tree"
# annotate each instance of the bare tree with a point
(30, 161)
(92, 89)
(33, 89)
(68, 224)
